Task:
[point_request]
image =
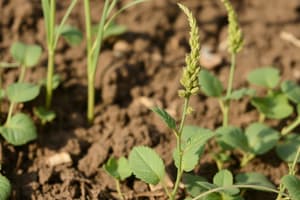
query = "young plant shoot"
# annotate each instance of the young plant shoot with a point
(71, 34)
(94, 46)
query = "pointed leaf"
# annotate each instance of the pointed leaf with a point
(292, 90)
(165, 117)
(114, 29)
(71, 34)
(210, 84)
(5, 188)
(238, 94)
(275, 106)
(287, 149)
(231, 137)
(261, 138)
(292, 184)
(22, 92)
(265, 77)
(193, 143)
(19, 130)
(253, 178)
(224, 178)
(146, 165)
(27, 55)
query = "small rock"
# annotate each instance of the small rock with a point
(208, 59)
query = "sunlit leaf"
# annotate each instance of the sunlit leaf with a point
(22, 92)
(265, 77)
(27, 55)
(5, 188)
(292, 184)
(118, 169)
(210, 84)
(71, 34)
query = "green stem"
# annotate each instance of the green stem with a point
(262, 117)
(179, 147)
(290, 127)
(229, 90)
(91, 99)
(246, 158)
(219, 189)
(50, 71)
(22, 74)
(10, 111)
(118, 187)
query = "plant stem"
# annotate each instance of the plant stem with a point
(91, 99)
(229, 90)
(22, 74)
(179, 148)
(219, 189)
(119, 189)
(50, 71)
(10, 110)
(246, 158)
(290, 127)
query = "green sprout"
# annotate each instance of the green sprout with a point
(94, 46)
(71, 34)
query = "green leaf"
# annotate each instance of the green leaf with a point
(238, 94)
(292, 90)
(56, 79)
(19, 130)
(71, 34)
(253, 178)
(224, 178)
(193, 143)
(210, 84)
(287, 148)
(193, 184)
(261, 138)
(5, 188)
(2, 94)
(265, 77)
(232, 137)
(22, 92)
(114, 29)
(119, 169)
(292, 184)
(275, 106)
(44, 115)
(165, 117)
(27, 55)
(146, 165)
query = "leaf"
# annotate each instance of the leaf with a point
(19, 130)
(119, 169)
(292, 184)
(292, 90)
(231, 137)
(56, 79)
(261, 138)
(71, 34)
(22, 92)
(193, 185)
(193, 142)
(287, 149)
(146, 165)
(238, 94)
(27, 55)
(165, 117)
(275, 106)
(224, 178)
(210, 84)
(2, 94)
(114, 29)
(253, 178)
(265, 77)
(44, 115)
(5, 187)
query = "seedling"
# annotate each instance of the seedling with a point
(71, 34)
(94, 46)
(119, 170)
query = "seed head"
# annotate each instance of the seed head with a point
(234, 31)
(189, 79)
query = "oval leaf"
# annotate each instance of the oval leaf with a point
(287, 149)
(22, 92)
(5, 187)
(210, 84)
(261, 138)
(44, 115)
(253, 178)
(19, 130)
(265, 77)
(27, 55)
(292, 184)
(119, 169)
(292, 90)
(224, 178)
(146, 165)
(165, 117)
(238, 94)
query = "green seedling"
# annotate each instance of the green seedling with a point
(105, 27)
(44, 115)
(256, 140)
(5, 187)
(211, 85)
(198, 186)
(53, 32)
(119, 170)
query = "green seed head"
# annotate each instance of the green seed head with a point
(234, 31)
(189, 78)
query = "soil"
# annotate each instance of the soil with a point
(139, 68)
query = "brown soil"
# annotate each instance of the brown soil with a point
(138, 67)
